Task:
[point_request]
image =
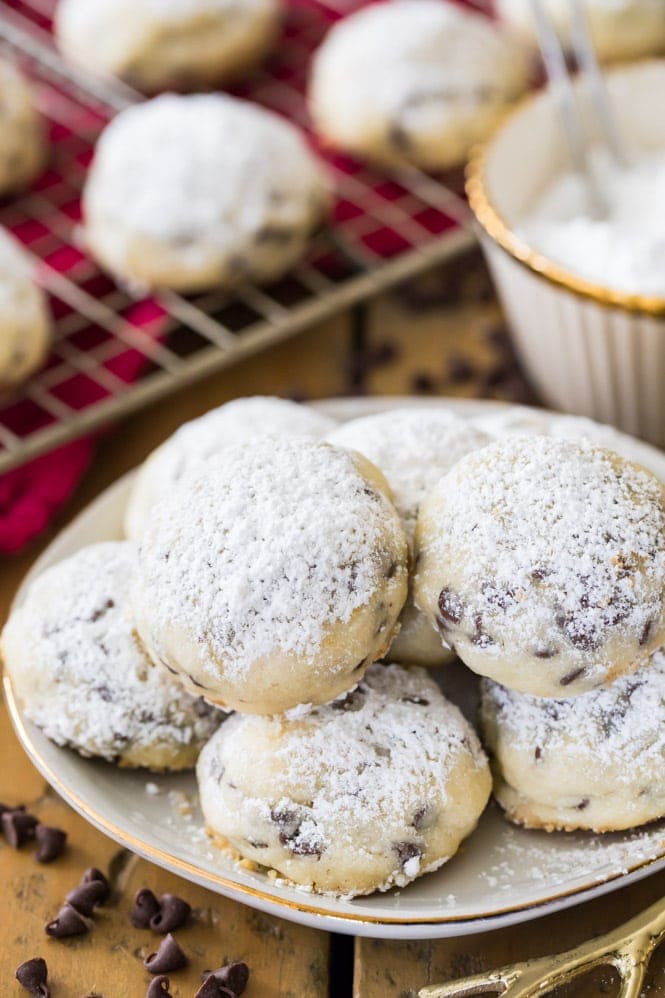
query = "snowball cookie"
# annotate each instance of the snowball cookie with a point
(413, 81)
(363, 794)
(22, 133)
(25, 325)
(621, 29)
(199, 191)
(543, 562)
(413, 448)
(594, 761)
(83, 678)
(234, 422)
(161, 44)
(273, 575)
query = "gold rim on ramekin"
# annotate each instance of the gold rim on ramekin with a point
(497, 228)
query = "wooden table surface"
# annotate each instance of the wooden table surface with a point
(408, 344)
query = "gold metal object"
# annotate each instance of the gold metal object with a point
(220, 328)
(628, 949)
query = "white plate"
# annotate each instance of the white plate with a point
(502, 875)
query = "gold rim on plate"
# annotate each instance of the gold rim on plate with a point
(190, 870)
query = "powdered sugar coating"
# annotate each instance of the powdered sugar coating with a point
(82, 677)
(162, 44)
(593, 761)
(25, 326)
(413, 448)
(273, 575)
(232, 423)
(414, 80)
(194, 191)
(362, 794)
(543, 562)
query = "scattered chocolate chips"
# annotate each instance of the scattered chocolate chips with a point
(583, 804)
(146, 906)
(406, 851)
(51, 843)
(18, 827)
(93, 874)
(168, 957)
(159, 987)
(451, 606)
(545, 651)
(234, 976)
(538, 754)
(173, 913)
(86, 896)
(32, 975)
(211, 988)
(570, 677)
(69, 922)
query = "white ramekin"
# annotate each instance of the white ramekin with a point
(588, 349)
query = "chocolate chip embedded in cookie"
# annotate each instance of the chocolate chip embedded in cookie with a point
(543, 562)
(357, 795)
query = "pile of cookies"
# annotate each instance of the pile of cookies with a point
(300, 574)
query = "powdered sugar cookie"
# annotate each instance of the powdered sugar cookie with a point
(363, 794)
(413, 448)
(234, 422)
(83, 678)
(25, 326)
(22, 136)
(543, 562)
(273, 575)
(620, 29)
(413, 81)
(162, 44)
(199, 191)
(594, 761)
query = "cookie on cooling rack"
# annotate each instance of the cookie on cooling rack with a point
(629, 29)
(273, 575)
(194, 192)
(413, 81)
(167, 44)
(542, 561)
(363, 794)
(22, 132)
(593, 761)
(232, 423)
(25, 324)
(82, 677)
(413, 448)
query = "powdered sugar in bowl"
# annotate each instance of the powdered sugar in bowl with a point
(585, 299)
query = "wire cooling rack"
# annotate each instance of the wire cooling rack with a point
(114, 352)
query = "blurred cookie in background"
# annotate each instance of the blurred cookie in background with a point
(22, 133)
(160, 44)
(414, 81)
(25, 324)
(621, 29)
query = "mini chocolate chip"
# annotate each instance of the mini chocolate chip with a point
(97, 614)
(32, 975)
(211, 988)
(234, 976)
(545, 651)
(479, 636)
(18, 827)
(159, 987)
(300, 847)
(390, 570)
(646, 631)
(451, 606)
(51, 842)
(93, 874)
(423, 818)
(168, 957)
(584, 803)
(406, 851)
(146, 906)
(173, 913)
(420, 701)
(538, 754)
(423, 383)
(459, 369)
(86, 897)
(69, 922)
(570, 677)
